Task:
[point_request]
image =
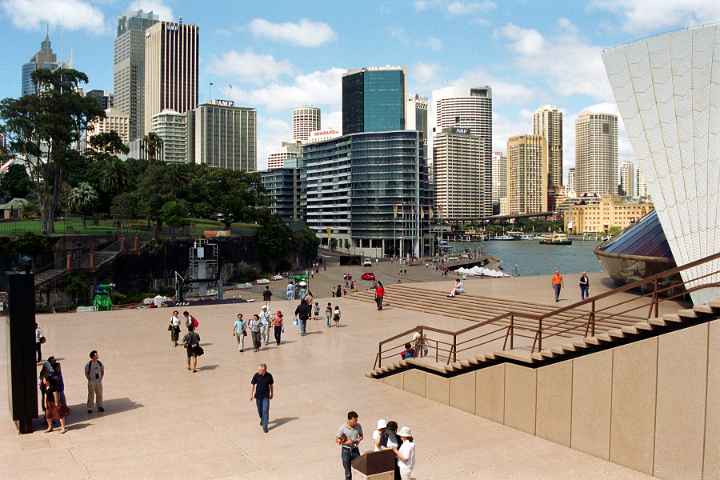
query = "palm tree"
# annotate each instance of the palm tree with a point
(153, 144)
(80, 198)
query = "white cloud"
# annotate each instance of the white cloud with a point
(155, 6)
(305, 33)
(271, 134)
(249, 66)
(467, 8)
(68, 14)
(321, 87)
(647, 15)
(425, 73)
(504, 92)
(569, 64)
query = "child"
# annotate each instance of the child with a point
(316, 311)
(408, 353)
(336, 315)
(328, 315)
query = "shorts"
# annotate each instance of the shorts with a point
(191, 352)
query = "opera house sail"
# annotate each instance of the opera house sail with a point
(667, 89)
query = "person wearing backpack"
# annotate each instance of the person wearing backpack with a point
(191, 321)
(94, 373)
(191, 340)
(336, 315)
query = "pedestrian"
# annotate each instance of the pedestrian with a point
(191, 321)
(55, 407)
(191, 340)
(239, 331)
(290, 292)
(39, 340)
(336, 315)
(377, 434)
(277, 324)
(316, 311)
(56, 376)
(405, 454)
(328, 315)
(267, 296)
(265, 324)
(408, 353)
(174, 328)
(584, 286)
(303, 312)
(94, 373)
(338, 291)
(379, 294)
(419, 344)
(389, 437)
(557, 283)
(262, 392)
(255, 330)
(349, 437)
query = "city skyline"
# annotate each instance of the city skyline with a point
(299, 56)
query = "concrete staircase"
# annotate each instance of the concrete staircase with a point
(570, 348)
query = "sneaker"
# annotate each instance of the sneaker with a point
(89, 411)
(265, 429)
(101, 409)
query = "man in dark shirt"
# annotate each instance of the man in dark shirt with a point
(267, 296)
(303, 312)
(262, 391)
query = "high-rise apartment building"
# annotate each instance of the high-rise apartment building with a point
(172, 129)
(114, 121)
(104, 99)
(225, 136)
(305, 120)
(627, 179)
(548, 122)
(641, 186)
(289, 154)
(526, 174)
(456, 173)
(570, 191)
(416, 114)
(171, 68)
(45, 58)
(283, 188)
(473, 112)
(596, 153)
(499, 176)
(129, 68)
(373, 100)
(322, 135)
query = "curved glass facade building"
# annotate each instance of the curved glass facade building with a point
(373, 100)
(667, 89)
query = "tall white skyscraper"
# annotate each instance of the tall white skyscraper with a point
(456, 172)
(225, 136)
(416, 114)
(627, 179)
(305, 120)
(499, 176)
(171, 68)
(548, 123)
(129, 69)
(596, 153)
(473, 112)
(171, 127)
(527, 174)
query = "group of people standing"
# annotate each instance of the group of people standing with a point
(386, 436)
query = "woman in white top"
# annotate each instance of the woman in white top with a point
(406, 453)
(377, 434)
(174, 328)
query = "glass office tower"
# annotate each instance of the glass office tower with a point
(373, 100)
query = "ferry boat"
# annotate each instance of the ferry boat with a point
(555, 239)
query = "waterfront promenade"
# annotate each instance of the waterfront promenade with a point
(163, 422)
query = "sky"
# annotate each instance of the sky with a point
(280, 54)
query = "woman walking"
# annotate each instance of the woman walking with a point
(174, 328)
(328, 315)
(256, 331)
(277, 323)
(55, 407)
(191, 340)
(239, 332)
(379, 294)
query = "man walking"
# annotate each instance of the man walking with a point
(267, 296)
(39, 340)
(262, 391)
(95, 372)
(290, 291)
(239, 332)
(256, 332)
(584, 286)
(557, 283)
(303, 312)
(349, 437)
(265, 323)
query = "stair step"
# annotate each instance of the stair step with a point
(517, 356)
(687, 313)
(672, 317)
(630, 330)
(616, 333)
(659, 322)
(703, 309)
(645, 326)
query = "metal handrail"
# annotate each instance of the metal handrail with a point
(545, 329)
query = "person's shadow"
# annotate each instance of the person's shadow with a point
(114, 405)
(279, 422)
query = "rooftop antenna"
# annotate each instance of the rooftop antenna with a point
(210, 99)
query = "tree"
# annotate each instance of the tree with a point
(44, 130)
(81, 198)
(15, 183)
(273, 242)
(174, 214)
(154, 145)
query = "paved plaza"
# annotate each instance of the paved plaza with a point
(163, 422)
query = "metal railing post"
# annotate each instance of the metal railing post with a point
(540, 334)
(454, 348)
(437, 351)
(592, 320)
(379, 355)
(657, 299)
(512, 331)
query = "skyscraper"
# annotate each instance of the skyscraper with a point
(305, 120)
(527, 174)
(171, 127)
(548, 122)
(225, 136)
(499, 176)
(627, 179)
(473, 112)
(129, 69)
(171, 68)
(456, 173)
(416, 117)
(570, 191)
(44, 58)
(373, 100)
(287, 157)
(114, 121)
(104, 99)
(596, 153)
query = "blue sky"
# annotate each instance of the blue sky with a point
(279, 54)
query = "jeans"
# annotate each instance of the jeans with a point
(278, 334)
(257, 340)
(266, 334)
(557, 292)
(584, 292)
(328, 317)
(348, 454)
(263, 407)
(379, 301)
(303, 326)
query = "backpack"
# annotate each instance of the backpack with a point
(194, 322)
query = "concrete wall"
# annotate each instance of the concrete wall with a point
(652, 405)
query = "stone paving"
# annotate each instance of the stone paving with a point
(163, 422)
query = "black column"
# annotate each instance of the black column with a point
(23, 368)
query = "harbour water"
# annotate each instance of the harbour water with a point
(532, 258)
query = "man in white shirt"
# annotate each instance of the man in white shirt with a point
(94, 372)
(265, 322)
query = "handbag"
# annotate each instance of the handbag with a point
(169, 328)
(42, 340)
(199, 350)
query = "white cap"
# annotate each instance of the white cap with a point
(382, 423)
(405, 432)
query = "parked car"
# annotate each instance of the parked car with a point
(367, 263)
